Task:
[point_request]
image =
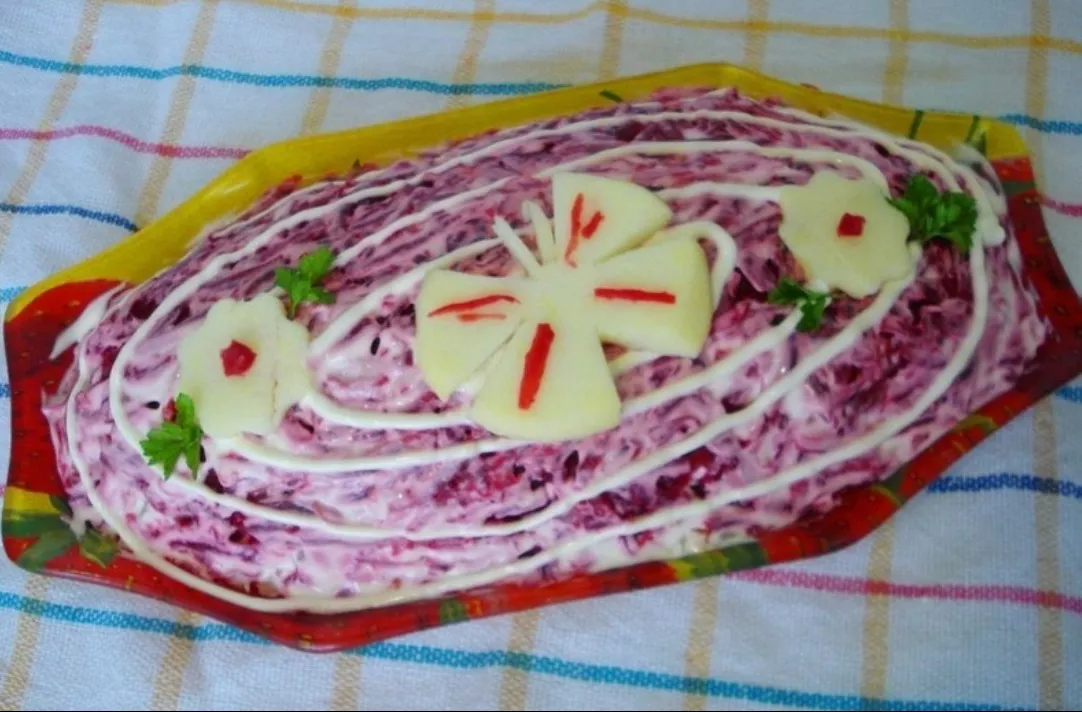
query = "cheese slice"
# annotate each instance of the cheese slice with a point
(255, 401)
(656, 298)
(551, 382)
(597, 217)
(462, 319)
(857, 265)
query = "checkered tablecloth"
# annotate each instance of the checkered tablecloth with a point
(113, 111)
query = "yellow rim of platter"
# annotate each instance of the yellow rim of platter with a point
(164, 241)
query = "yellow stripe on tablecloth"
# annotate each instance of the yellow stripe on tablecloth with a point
(169, 680)
(875, 639)
(876, 633)
(1037, 80)
(515, 683)
(699, 651)
(992, 42)
(17, 676)
(611, 47)
(857, 33)
(466, 67)
(897, 55)
(150, 196)
(347, 682)
(346, 687)
(170, 677)
(58, 101)
(330, 57)
(1045, 464)
(755, 37)
(1049, 619)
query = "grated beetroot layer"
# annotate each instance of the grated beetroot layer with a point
(882, 375)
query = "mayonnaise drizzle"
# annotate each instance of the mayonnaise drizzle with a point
(215, 265)
(717, 373)
(926, 156)
(90, 317)
(841, 342)
(764, 342)
(377, 597)
(265, 454)
(327, 408)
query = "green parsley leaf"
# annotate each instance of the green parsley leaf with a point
(611, 95)
(49, 545)
(19, 525)
(301, 284)
(951, 215)
(812, 304)
(787, 292)
(97, 547)
(165, 444)
(60, 504)
(185, 408)
(812, 313)
(316, 264)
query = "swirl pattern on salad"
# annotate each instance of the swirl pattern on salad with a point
(261, 422)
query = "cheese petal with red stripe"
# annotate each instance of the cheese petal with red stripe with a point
(656, 298)
(596, 217)
(551, 382)
(462, 319)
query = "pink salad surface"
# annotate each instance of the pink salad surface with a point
(881, 375)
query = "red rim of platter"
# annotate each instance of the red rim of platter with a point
(860, 510)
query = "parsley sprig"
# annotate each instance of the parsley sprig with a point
(182, 436)
(301, 284)
(812, 304)
(931, 214)
(54, 536)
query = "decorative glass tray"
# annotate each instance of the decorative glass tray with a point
(36, 317)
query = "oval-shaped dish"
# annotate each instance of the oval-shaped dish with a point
(36, 317)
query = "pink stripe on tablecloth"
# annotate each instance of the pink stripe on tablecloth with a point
(1072, 210)
(947, 592)
(161, 149)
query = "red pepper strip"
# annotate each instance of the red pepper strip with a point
(576, 229)
(591, 227)
(237, 358)
(472, 304)
(533, 370)
(635, 295)
(851, 225)
(469, 318)
(569, 253)
(576, 216)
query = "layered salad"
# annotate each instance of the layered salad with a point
(632, 333)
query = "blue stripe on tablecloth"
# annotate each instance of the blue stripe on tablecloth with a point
(1071, 393)
(273, 80)
(1071, 128)
(78, 211)
(9, 293)
(1007, 480)
(1057, 126)
(474, 660)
